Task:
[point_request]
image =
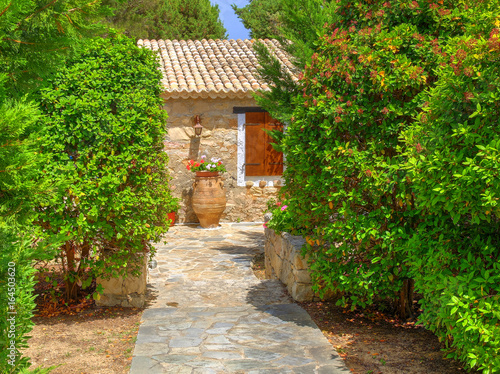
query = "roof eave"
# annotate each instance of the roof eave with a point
(166, 95)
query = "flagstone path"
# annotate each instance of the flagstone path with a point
(210, 314)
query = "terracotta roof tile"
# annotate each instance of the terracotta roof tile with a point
(212, 68)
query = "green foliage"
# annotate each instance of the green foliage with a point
(17, 255)
(392, 163)
(457, 134)
(20, 189)
(16, 288)
(358, 92)
(456, 268)
(104, 131)
(168, 19)
(261, 17)
(301, 23)
(355, 179)
(172, 205)
(36, 36)
(453, 161)
(20, 163)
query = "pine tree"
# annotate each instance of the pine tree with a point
(168, 19)
(36, 37)
(299, 27)
(261, 17)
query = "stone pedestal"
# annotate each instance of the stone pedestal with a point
(127, 292)
(284, 261)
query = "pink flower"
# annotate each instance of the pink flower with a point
(284, 207)
(278, 203)
(265, 225)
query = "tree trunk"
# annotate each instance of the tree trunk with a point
(405, 303)
(71, 290)
(73, 286)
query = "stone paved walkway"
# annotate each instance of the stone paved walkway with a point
(210, 314)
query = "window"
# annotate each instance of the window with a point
(257, 160)
(261, 159)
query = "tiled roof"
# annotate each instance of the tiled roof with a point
(212, 68)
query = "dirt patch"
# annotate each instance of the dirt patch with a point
(78, 336)
(93, 341)
(371, 342)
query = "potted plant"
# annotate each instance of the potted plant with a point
(202, 167)
(172, 207)
(209, 197)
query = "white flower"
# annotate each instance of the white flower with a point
(202, 157)
(209, 166)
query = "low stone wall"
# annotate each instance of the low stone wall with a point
(127, 292)
(284, 262)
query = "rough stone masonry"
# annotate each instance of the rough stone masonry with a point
(218, 139)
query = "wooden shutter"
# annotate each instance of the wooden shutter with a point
(255, 144)
(274, 159)
(261, 159)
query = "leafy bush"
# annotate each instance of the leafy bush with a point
(453, 160)
(359, 92)
(392, 164)
(104, 131)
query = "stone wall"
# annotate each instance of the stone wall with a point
(126, 292)
(218, 139)
(283, 261)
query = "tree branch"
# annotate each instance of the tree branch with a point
(3, 11)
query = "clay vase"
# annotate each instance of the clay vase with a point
(209, 198)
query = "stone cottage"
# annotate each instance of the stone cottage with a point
(214, 80)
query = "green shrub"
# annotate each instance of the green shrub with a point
(453, 160)
(16, 298)
(359, 92)
(20, 188)
(17, 256)
(104, 131)
(392, 164)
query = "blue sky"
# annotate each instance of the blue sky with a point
(232, 23)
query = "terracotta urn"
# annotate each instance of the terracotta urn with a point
(209, 198)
